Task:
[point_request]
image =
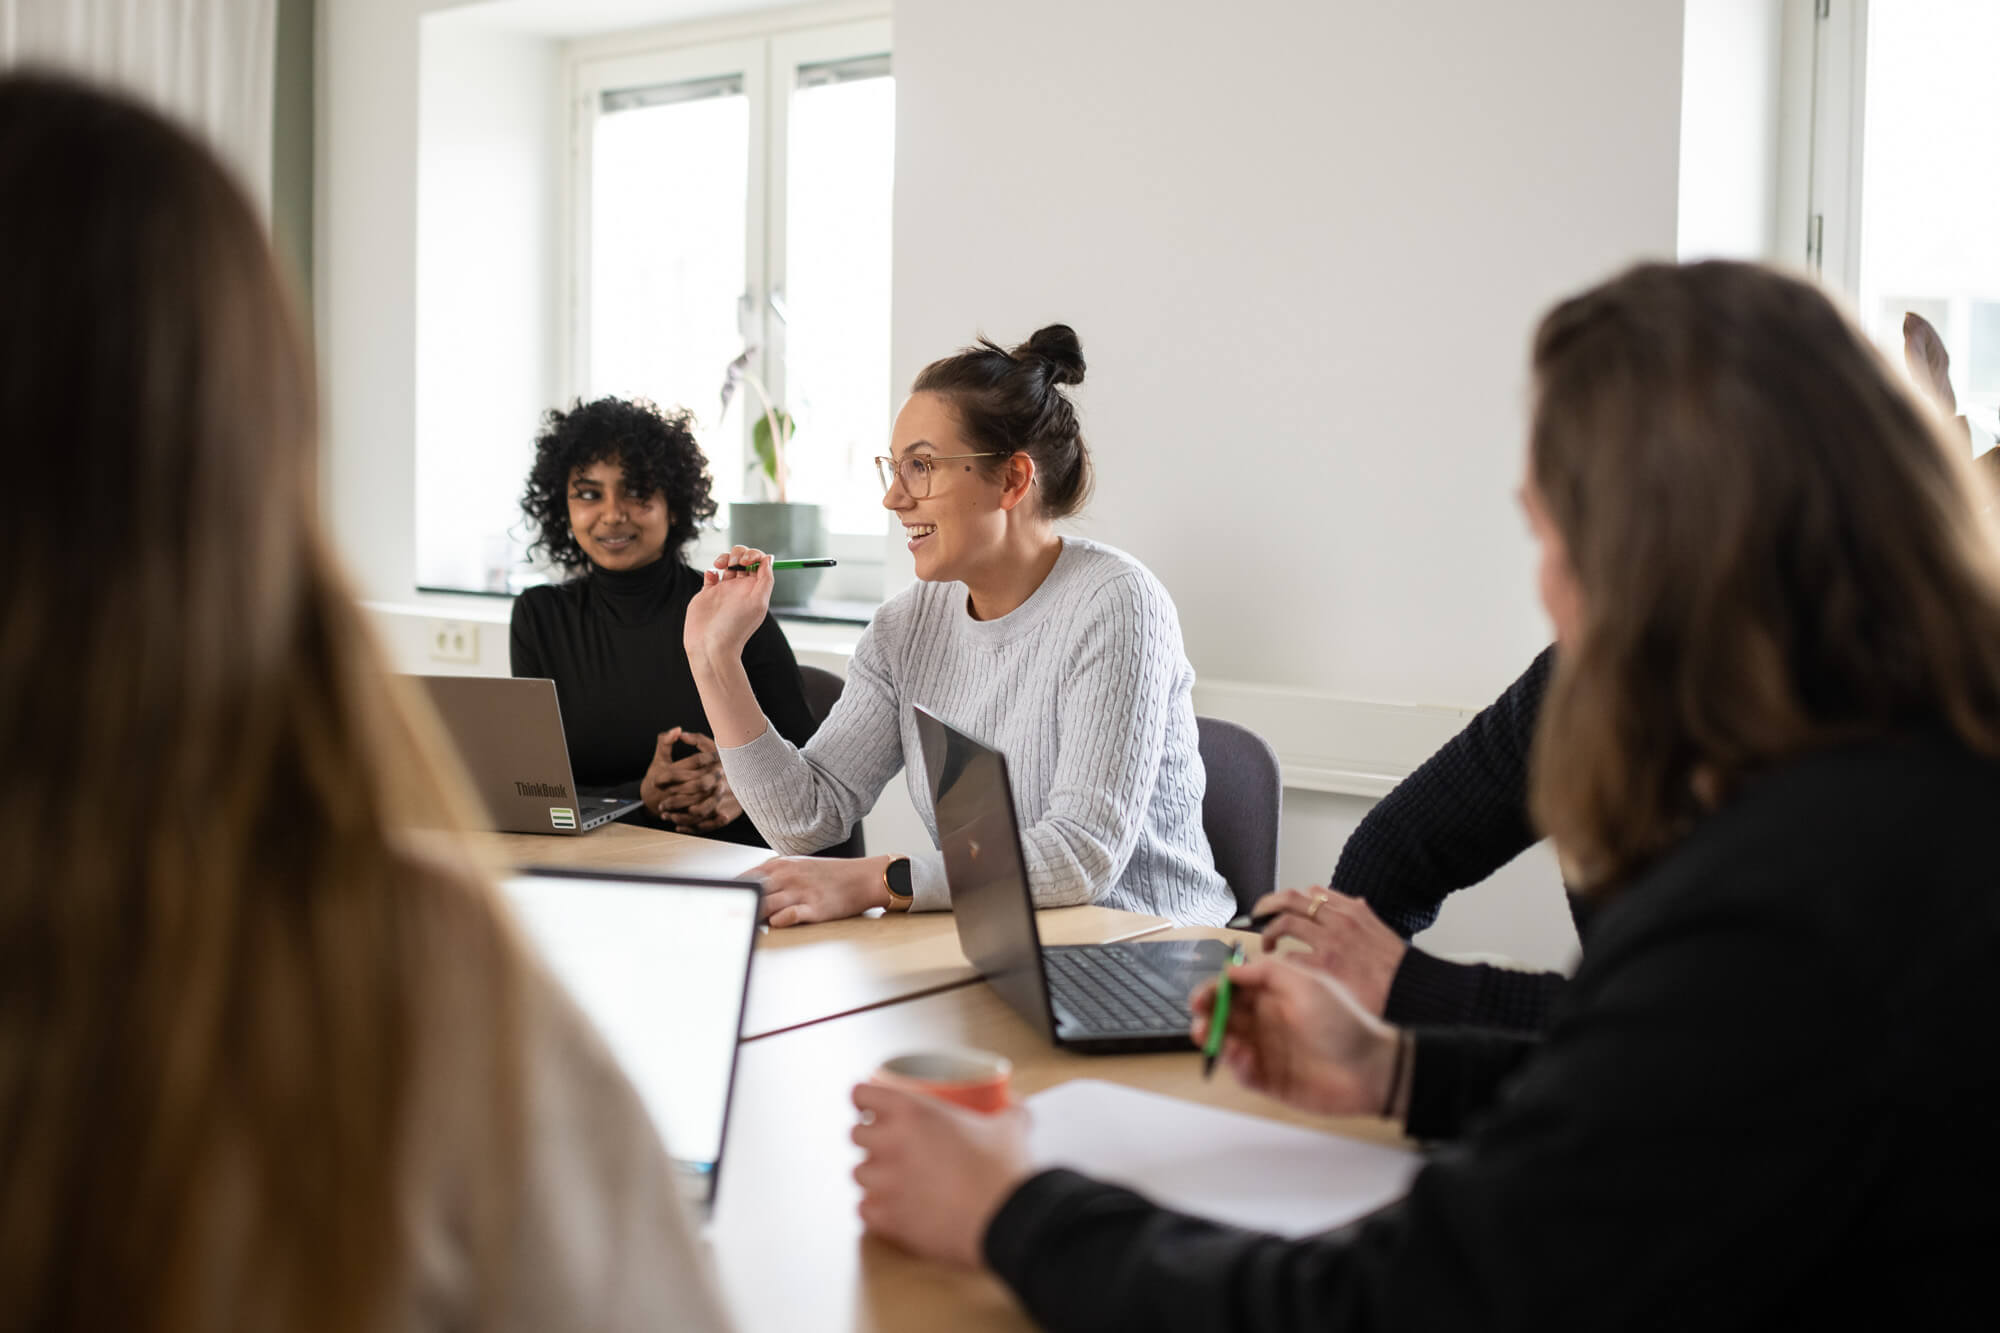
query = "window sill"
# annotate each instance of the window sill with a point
(828, 611)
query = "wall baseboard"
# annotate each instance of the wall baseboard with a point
(1325, 742)
(1328, 743)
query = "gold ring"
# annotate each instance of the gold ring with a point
(1317, 903)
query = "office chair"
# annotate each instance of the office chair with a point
(1239, 811)
(822, 689)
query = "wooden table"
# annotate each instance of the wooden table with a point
(786, 1239)
(805, 974)
(622, 847)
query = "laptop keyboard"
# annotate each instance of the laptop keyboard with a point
(1105, 992)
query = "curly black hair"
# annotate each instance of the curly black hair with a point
(656, 449)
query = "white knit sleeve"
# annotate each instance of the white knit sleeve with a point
(806, 799)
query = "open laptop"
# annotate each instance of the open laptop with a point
(661, 965)
(1084, 997)
(509, 735)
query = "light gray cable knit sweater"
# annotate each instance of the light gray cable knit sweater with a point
(1085, 688)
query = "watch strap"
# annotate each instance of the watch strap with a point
(896, 881)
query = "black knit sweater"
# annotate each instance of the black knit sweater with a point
(611, 641)
(1459, 817)
(1744, 1115)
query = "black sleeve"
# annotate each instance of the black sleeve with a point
(774, 679)
(1458, 818)
(1456, 1075)
(1674, 1156)
(524, 649)
(1428, 991)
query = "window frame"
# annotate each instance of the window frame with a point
(767, 57)
(1825, 82)
(1821, 163)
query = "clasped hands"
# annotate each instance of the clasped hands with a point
(933, 1175)
(691, 793)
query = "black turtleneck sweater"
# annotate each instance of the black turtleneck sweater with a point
(611, 641)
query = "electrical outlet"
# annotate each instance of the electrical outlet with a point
(453, 640)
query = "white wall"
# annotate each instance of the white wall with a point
(490, 168)
(1732, 55)
(1304, 245)
(365, 283)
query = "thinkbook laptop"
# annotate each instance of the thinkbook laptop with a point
(661, 966)
(509, 735)
(1084, 997)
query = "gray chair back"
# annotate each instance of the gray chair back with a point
(822, 690)
(1240, 809)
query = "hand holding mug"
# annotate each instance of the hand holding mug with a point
(936, 1173)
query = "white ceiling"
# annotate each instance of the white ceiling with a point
(585, 18)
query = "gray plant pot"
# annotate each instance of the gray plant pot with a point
(789, 532)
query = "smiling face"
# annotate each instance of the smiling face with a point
(962, 522)
(615, 530)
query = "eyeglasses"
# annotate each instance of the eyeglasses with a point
(915, 471)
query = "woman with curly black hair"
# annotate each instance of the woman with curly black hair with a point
(617, 491)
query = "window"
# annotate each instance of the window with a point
(1903, 201)
(738, 194)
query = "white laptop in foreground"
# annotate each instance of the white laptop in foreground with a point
(660, 964)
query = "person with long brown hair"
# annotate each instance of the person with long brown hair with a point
(266, 1061)
(1770, 753)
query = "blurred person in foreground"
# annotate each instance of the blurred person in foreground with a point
(266, 1061)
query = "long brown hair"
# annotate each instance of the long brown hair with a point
(1776, 547)
(210, 929)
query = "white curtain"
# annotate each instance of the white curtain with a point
(207, 63)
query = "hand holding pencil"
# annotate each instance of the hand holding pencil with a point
(735, 597)
(1296, 1035)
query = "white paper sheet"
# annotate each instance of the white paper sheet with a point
(1222, 1165)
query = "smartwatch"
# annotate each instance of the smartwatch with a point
(896, 879)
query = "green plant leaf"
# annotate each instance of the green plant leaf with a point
(760, 440)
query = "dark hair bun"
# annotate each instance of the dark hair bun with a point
(1057, 344)
(1006, 404)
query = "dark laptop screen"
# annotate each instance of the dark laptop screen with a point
(982, 863)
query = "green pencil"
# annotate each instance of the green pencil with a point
(819, 563)
(1218, 1022)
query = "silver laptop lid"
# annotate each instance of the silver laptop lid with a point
(509, 736)
(661, 965)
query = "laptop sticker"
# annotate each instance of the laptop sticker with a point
(562, 816)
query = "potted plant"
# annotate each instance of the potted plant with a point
(779, 525)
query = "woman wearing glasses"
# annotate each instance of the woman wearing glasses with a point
(1062, 653)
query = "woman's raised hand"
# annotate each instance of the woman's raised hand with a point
(729, 607)
(1297, 1035)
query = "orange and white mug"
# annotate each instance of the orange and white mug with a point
(976, 1080)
